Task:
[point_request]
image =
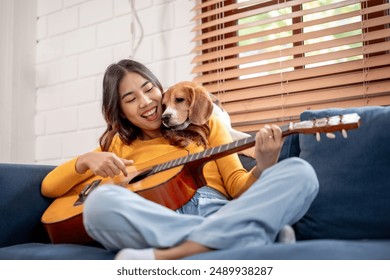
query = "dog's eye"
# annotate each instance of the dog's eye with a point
(179, 99)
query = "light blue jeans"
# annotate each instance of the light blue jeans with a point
(119, 218)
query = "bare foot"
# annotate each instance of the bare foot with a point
(182, 250)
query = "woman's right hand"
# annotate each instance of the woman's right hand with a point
(104, 164)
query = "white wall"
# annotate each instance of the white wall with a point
(17, 82)
(77, 40)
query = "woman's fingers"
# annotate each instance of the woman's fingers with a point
(106, 164)
(121, 164)
(270, 133)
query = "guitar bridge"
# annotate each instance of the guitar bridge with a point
(85, 192)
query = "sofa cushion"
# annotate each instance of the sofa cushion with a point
(40, 251)
(354, 196)
(21, 203)
(290, 147)
(305, 250)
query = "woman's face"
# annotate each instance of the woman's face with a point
(140, 102)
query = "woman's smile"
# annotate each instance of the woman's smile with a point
(151, 114)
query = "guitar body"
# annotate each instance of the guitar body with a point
(171, 188)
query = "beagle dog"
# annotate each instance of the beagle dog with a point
(187, 103)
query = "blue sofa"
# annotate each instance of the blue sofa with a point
(349, 219)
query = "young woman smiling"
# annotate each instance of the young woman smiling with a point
(236, 208)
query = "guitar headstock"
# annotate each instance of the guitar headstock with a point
(326, 125)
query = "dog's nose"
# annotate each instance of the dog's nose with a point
(166, 117)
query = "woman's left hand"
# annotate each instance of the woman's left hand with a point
(267, 149)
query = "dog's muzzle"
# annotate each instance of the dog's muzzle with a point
(165, 118)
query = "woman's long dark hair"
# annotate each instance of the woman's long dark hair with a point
(116, 123)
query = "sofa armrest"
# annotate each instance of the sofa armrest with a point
(353, 173)
(21, 203)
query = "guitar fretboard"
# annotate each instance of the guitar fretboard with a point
(327, 124)
(213, 153)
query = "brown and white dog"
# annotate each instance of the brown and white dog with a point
(187, 103)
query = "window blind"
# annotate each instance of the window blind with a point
(268, 61)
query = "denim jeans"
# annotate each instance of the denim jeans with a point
(206, 201)
(119, 218)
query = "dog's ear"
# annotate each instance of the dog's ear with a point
(201, 106)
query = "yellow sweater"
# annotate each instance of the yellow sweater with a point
(225, 174)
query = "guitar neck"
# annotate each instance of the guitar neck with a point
(322, 125)
(215, 152)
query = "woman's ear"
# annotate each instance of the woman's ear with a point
(201, 106)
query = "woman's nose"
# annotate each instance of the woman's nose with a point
(145, 101)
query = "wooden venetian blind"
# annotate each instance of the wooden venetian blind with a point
(270, 60)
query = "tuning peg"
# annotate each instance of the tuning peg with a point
(344, 133)
(330, 135)
(318, 137)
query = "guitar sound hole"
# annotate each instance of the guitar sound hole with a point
(140, 176)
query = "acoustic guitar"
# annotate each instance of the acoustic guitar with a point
(170, 180)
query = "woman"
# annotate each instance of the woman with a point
(237, 208)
